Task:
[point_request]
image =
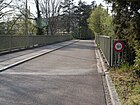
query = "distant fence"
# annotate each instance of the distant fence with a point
(10, 43)
(105, 43)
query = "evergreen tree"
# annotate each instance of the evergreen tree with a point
(126, 19)
(82, 13)
(68, 9)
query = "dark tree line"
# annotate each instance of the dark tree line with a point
(126, 14)
(82, 13)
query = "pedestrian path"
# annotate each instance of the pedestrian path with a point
(10, 60)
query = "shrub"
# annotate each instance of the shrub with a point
(137, 63)
(133, 100)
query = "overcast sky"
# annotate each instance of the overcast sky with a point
(33, 9)
(87, 1)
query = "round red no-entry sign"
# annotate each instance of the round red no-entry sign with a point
(118, 46)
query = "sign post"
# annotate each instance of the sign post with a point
(118, 48)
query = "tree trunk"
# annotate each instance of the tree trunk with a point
(39, 29)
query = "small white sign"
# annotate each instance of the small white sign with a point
(118, 46)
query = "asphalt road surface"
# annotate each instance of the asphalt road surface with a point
(67, 76)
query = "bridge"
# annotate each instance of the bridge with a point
(66, 73)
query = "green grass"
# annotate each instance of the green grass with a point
(127, 86)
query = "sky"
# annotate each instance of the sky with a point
(33, 9)
(97, 2)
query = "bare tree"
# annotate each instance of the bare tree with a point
(3, 8)
(5, 11)
(39, 29)
(68, 9)
(19, 11)
(50, 11)
(20, 14)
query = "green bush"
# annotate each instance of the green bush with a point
(137, 64)
(125, 67)
(133, 100)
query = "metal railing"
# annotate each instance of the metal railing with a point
(9, 43)
(113, 58)
(105, 43)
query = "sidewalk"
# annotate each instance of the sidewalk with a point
(13, 59)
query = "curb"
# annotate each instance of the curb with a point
(113, 94)
(38, 54)
(112, 91)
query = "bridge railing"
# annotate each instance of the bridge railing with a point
(10, 43)
(113, 58)
(105, 43)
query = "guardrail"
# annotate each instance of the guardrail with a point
(10, 43)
